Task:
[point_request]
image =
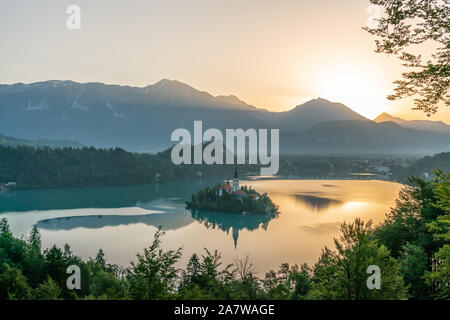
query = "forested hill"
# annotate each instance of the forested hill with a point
(14, 142)
(46, 167)
(426, 165)
(69, 167)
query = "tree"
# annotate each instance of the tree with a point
(408, 221)
(100, 258)
(213, 279)
(407, 25)
(415, 231)
(13, 285)
(244, 267)
(275, 287)
(191, 275)
(443, 191)
(35, 237)
(13, 251)
(55, 266)
(439, 277)
(153, 275)
(206, 278)
(49, 290)
(34, 266)
(4, 227)
(247, 284)
(301, 281)
(413, 265)
(107, 284)
(288, 283)
(441, 227)
(342, 274)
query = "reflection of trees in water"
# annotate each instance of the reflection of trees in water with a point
(101, 197)
(317, 203)
(233, 221)
(172, 218)
(165, 220)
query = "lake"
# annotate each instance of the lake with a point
(122, 220)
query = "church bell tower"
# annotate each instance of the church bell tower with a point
(235, 181)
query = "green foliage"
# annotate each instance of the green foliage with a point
(109, 285)
(13, 285)
(247, 285)
(417, 233)
(275, 286)
(413, 265)
(206, 276)
(153, 276)
(407, 221)
(35, 237)
(55, 265)
(288, 283)
(404, 28)
(49, 290)
(342, 274)
(208, 199)
(439, 277)
(442, 189)
(428, 164)
(12, 250)
(85, 167)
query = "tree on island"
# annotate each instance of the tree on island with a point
(244, 200)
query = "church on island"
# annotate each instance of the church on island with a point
(231, 198)
(234, 189)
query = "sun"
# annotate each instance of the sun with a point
(359, 88)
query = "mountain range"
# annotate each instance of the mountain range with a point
(142, 119)
(426, 125)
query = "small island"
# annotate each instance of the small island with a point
(232, 199)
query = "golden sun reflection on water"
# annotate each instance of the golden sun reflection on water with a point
(311, 212)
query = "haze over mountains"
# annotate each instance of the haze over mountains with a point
(427, 125)
(142, 119)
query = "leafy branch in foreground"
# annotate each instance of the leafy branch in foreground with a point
(405, 26)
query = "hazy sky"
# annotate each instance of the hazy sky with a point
(272, 54)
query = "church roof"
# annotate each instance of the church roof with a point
(240, 192)
(225, 187)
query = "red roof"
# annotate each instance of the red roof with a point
(240, 192)
(225, 187)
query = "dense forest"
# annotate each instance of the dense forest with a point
(428, 164)
(14, 142)
(44, 167)
(86, 167)
(411, 248)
